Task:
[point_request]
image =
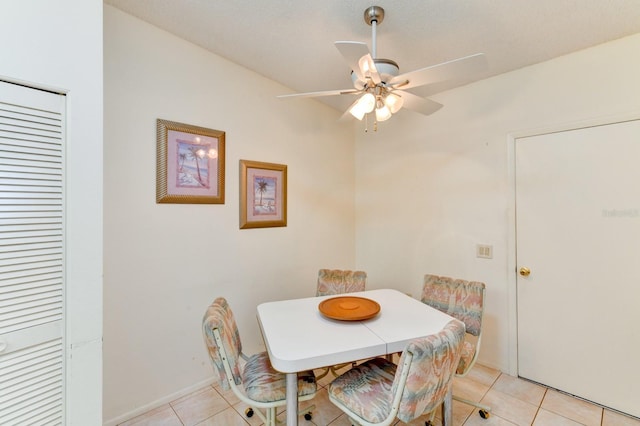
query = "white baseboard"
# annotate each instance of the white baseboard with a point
(157, 403)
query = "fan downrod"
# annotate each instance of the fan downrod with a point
(373, 13)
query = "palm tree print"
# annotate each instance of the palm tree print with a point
(183, 158)
(195, 152)
(262, 188)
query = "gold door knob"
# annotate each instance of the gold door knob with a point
(524, 271)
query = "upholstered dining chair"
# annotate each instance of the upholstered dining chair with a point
(252, 378)
(377, 391)
(338, 281)
(463, 300)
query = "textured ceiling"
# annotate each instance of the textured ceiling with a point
(291, 41)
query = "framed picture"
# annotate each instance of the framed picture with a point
(263, 194)
(190, 164)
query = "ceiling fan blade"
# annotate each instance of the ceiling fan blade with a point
(321, 93)
(450, 70)
(418, 104)
(352, 51)
(368, 68)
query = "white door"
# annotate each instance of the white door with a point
(578, 232)
(31, 256)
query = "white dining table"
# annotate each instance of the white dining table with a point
(299, 337)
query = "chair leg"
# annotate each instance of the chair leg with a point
(334, 370)
(250, 412)
(431, 417)
(324, 373)
(447, 413)
(353, 422)
(484, 411)
(271, 417)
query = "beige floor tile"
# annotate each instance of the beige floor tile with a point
(420, 421)
(510, 408)
(161, 416)
(463, 412)
(198, 406)
(241, 409)
(547, 418)
(306, 407)
(343, 420)
(485, 375)
(519, 388)
(255, 420)
(228, 395)
(572, 408)
(493, 420)
(325, 411)
(464, 387)
(228, 417)
(611, 418)
(282, 418)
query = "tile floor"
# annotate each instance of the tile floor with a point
(514, 402)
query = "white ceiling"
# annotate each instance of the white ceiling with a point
(291, 41)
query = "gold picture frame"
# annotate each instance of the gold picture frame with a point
(189, 164)
(263, 194)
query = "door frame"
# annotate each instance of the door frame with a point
(512, 272)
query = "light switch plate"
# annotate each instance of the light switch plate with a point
(484, 251)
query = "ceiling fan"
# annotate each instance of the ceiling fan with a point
(379, 86)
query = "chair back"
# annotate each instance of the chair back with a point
(219, 319)
(463, 300)
(336, 281)
(434, 361)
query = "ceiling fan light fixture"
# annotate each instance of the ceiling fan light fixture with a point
(393, 102)
(382, 112)
(366, 65)
(362, 106)
(358, 114)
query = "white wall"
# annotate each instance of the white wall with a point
(430, 188)
(58, 44)
(164, 263)
(427, 190)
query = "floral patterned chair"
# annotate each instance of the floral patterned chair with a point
(377, 391)
(252, 379)
(338, 281)
(463, 300)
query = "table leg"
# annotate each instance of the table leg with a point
(447, 416)
(292, 399)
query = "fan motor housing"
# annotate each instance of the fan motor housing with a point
(373, 13)
(387, 69)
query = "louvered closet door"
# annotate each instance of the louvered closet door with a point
(31, 256)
